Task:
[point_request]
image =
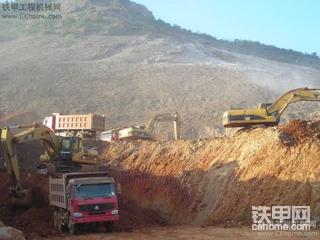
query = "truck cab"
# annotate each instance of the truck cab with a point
(110, 135)
(84, 198)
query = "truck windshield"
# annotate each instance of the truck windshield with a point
(95, 190)
(106, 136)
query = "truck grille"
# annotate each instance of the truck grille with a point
(96, 207)
(96, 213)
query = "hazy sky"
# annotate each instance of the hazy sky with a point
(291, 24)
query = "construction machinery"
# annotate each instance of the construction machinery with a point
(82, 125)
(67, 154)
(268, 114)
(82, 199)
(143, 132)
(111, 135)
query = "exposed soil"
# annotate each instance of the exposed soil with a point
(298, 131)
(217, 181)
(37, 221)
(205, 182)
(197, 233)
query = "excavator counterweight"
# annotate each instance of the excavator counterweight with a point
(268, 114)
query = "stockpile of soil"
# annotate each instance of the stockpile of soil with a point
(217, 181)
(298, 131)
(35, 221)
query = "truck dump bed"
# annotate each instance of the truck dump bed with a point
(88, 121)
(57, 190)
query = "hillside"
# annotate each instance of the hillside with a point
(116, 59)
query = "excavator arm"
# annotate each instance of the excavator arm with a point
(65, 152)
(297, 95)
(268, 114)
(9, 141)
(42, 133)
(11, 162)
(166, 117)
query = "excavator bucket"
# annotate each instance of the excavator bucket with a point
(21, 200)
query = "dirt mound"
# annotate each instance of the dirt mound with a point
(298, 131)
(35, 221)
(218, 180)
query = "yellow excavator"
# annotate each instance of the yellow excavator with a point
(166, 117)
(268, 114)
(66, 153)
(147, 132)
(143, 132)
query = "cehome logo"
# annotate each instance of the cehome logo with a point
(281, 218)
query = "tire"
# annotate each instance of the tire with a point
(60, 226)
(73, 228)
(59, 222)
(109, 227)
(55, 219)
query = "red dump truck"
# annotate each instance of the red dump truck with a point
(82, 199)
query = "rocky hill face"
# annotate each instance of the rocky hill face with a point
(114, 58)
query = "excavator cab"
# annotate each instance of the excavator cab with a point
(264, 105)
(68, 145)
(72, 154)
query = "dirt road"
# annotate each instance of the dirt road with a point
(195, 233)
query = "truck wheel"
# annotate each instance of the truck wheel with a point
(55, 219)
(73, 228)
(109, 227)
(60, 227)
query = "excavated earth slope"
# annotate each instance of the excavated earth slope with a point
(217, 181)
(202, 182)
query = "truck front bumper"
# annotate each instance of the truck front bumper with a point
(95, 218)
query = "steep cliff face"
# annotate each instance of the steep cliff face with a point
(217, 181)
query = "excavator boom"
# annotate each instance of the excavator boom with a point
(268, 114)
(66, 153)
(166, 117)
(19, 196)
(300, 94)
